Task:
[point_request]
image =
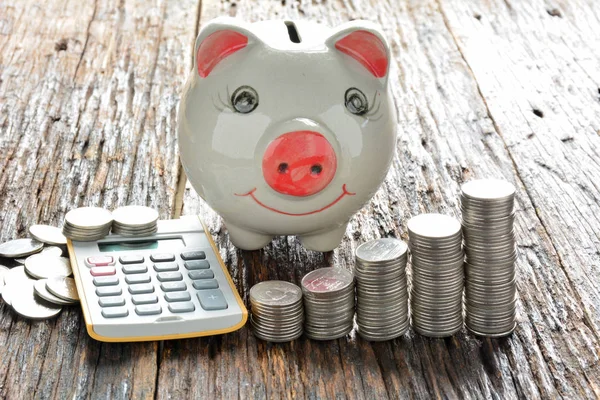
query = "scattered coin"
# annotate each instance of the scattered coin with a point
(277, 311)
(42, 266)
(50, 250)
(12, 280)
(63, 288)
(48, 234)
(40, 289)
(437, 258)
(381, 289)
(328, 303)
(20, 248)
(24, 302)
(490, 286)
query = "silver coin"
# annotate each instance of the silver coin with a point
(277, 293)
(63, 288)
(20, 248)
(24, 303)
(327, 281)
(89, 218)
(133, 216)
(488, 189)
(40, 289)
(379, 250)
(433, 226)
(47, 234)
(42, 266)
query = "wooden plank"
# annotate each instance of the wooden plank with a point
(88, 98)
(460, 118)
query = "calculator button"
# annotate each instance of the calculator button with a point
(135, 269)
(177, 296)
(148, 309)
(173, 286)
(204, 284)
(162, 267)
(111, 301)
(103, 271)
(162, 257)
(197, 264)
(144, 299)
(106, 281)
(182, 307)
(212, 299)
(99, 261)
(108, 291)
(115, 312)
(169, 276)
(135, 259)
(193, 255)
(141, 288)
(201, 274)
(137, 279)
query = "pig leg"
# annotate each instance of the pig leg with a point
(245, 239)
(324, 241)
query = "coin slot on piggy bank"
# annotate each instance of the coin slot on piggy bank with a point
(287, 127)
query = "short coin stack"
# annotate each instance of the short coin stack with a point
(87, 224)
(437, 258)
(381, 289)
(134, 221)
(328, 303)
(490, 295)
(277, 311)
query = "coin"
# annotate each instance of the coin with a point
(50, 250)
(3, 271)
(63, 288)
(24, 303)
(40, 289)
(42, 266)
(47, 234)
(20, 248)
(132, 216)
(380, 250)
(277, 312)
(89, 217)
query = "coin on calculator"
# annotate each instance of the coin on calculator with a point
(134, 221)
(48, 234)
(42, 266)
(63, 288)
(20, 248)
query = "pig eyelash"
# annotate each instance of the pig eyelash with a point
(220, 105)
(374, 110)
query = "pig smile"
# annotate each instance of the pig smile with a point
(341, 196)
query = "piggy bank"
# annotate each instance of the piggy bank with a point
(287, 128)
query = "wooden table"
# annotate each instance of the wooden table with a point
(497, 88)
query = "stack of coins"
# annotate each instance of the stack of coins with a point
(381, 289)
(487, 220)
(435, 242)
(328, 303)
(87, 224)
(134, 221)
(277, 311)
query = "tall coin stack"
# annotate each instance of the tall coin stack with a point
(328, 303)
(381, 289)
(134, 221)
(87, 224)
(435, 242)
(490, 295)
(277, 311)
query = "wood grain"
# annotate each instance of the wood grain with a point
(495, 88)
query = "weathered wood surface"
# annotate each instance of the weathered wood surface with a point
(503, 88)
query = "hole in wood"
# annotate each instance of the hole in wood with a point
(538, 113)
(61, 45)
(477, 17)
(554, 12)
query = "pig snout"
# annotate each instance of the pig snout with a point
(299, 163)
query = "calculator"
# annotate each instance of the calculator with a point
(168, 285)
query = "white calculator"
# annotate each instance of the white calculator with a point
(168, 285)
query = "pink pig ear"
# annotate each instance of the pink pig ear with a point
(218, 40)
(363, 42)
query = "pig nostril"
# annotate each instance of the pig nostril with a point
(316, 169)
(283, 167)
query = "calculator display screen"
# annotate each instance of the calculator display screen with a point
(154, 244)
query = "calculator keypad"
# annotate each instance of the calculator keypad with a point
(163, 276)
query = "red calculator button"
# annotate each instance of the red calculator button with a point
(99, 261)
(103, 271)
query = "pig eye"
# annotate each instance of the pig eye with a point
(356, 101)
(244, 99)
